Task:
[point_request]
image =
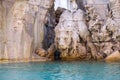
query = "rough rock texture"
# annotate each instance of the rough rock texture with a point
(41, 52)
(89, 31)
(81, 4)
(95, 36)
(49, 28)
(72, 35)
(100, 7)
(22, 27)
(58, 13)
(115, 56)
(114, 6)
(105, 32)
(1, 32)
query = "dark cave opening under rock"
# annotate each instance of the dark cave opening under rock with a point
(57, 55)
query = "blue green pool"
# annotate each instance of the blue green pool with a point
(60, 70)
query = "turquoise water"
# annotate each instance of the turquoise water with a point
(66, 70)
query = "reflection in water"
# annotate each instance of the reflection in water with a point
(67, 70)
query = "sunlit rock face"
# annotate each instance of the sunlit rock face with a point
(97, 34)
(61, 31)
(115, 56)
(22, 27)
(104, 31)
(15, 27)
(67, 36)
(100, 6)
(1, 29)
(115, 7)
(89, 31)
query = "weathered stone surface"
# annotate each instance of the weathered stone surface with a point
(115, 56)
(99, 36)
(1, 30)
(58, 13)
(22, 27)
(81, 4)
(104, 30)
(115, 7)
(67, 33)
(49, 28)
(100, 6)
(41, 52)
(89, 31)
(51, 51)
(47, 54)
(15, 28)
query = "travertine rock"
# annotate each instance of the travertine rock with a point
(67, 33)
(99, 35)
(104, 30)
(115, 56)
(89, 31)
(1, 31)
(58, 13)
(112, 27)
(80, 4)
(115, 8)
(41, 52)
(23, 27)
(51, 51)
(49, 28)
(48, 54)
(100, 6)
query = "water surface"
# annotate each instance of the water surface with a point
(60, 70)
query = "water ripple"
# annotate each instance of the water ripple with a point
(67, 70)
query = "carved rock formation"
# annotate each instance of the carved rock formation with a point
(58, 13)
(22, 28)
(72, 35)
(115, 56)
(99, 36)
(115, 8)
(41, 52)
(105, 32)
(49, 28)
(47, 54)
(91, 31)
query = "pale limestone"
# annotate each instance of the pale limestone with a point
(115, 56)
(23, 27)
